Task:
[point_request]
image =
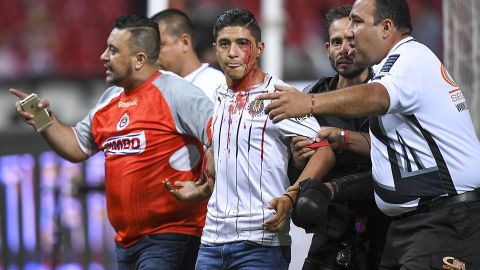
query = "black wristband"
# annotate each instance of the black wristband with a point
(291, 199)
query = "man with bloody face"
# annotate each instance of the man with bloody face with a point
(247, 221)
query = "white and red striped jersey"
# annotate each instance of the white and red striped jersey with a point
(251, 157)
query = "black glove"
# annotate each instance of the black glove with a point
(310, 210)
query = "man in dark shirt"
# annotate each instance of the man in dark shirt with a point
(345, 241)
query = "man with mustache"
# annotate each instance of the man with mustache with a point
(425, 153)
(148, 130)
(351, 240)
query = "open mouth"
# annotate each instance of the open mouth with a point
(109, 69)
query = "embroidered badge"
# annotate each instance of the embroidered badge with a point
(124, 120)
(451, 263)
(256, 107)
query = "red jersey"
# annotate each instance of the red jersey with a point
(154, 132)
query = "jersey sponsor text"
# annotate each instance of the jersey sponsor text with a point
(129, 144)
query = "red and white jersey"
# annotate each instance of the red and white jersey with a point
(251, 158)
(425, 145)
(154, 132)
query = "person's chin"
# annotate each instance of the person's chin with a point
(343, 71)
(110, 80)
(236, 75)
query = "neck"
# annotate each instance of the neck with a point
(191, 63)
(253, 77)
(139, 78)
(396, 38)
(344, 82)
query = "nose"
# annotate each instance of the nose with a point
(232, 51)
(103, 56)
(345, 48)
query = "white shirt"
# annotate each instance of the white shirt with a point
(251, 157)
(206, 78)
(425, 145)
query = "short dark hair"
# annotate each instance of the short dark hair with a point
(395, 10)
(238, 17)
(336, 13)
(177, 22)
(144, 34)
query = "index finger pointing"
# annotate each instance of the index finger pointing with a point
(268, 96)
(280, 87)
(18, 93)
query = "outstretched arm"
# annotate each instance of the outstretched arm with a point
(353, 141)
(354, 101)
(60, 137)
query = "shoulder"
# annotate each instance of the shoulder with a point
(177, 90)
(321, 85)
(214, 72)
(170, 81)
(109, 94)
(408, 51)
(212, 76)
(405, 58)
(270, 82)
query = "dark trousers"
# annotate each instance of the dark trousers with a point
(362, 249)
(448, 238)
(167, 251)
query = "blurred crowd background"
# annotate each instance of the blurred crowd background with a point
(53, 46)
(52, 212)
(62, 39)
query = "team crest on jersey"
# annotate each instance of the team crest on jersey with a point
(124, 120)
(256, 107)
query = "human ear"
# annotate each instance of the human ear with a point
(186, 41)
(387, 27)
(260, 48)
(140, 60)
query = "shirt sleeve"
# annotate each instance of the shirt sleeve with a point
(400, 77)
(305, 126)
(193, 110)
(83, 132)
(83, 129)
